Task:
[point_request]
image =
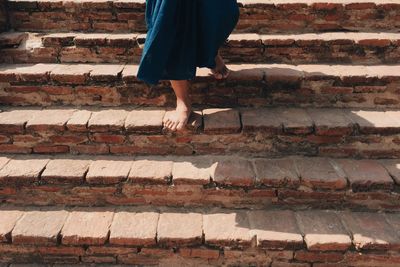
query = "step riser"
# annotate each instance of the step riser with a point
(196, 196)
(3, 16)
(277, 85)
(366, 52)
(261, 18)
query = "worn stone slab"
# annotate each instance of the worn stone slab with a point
(319, 173)
(180, 228)
(106, 72)
(261, 120)
(370, 231)
(23, 169)
(192, 170)
(154, 170)
(221, 121)
(134, 228)
(108, 170)
(88, 226)
(79, 120)
(107, 120)
(365, 175)
(227, 229)
(145, 121)
(39, 227)
(65, 171)
(323, 231)
(295, 120)
(277, 172)
(13, 121)
(393, 168)
(374, 122)
(9, 217)
(71, 73)
(50, 119)
(275, 229)
(233, 171)
(330, 121)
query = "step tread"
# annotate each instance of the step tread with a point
(67, 72)
(315, 173)
(167, 228)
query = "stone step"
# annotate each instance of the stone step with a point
(74, 47)
(253, 85)
(295, 182)
(277, 131)
(211, 237)
(256, 16)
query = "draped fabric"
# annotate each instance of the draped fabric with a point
(183, 35)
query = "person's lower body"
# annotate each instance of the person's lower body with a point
(182, 36)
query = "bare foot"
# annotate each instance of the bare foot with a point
(176, 120)
(220, 71)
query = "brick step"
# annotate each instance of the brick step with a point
(256, 16)
(211, 237)
(295, 182)
(248, 85)
(349, 48)
(276, 131)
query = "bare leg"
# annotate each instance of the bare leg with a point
(220, 71)
(177, 119)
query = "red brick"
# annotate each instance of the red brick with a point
(276, 172)
(152, 170)
(275, 229)
(45, 149)
(90, 149)
(221, 121)
(233, 232)
(108, 138)
(319, 173)
(233, 171)
(310, 256)
(199, 253)
(323, 231)
(108, 170)
(134, 228)
(370, 231)
(87, 227)
(365, 175)
(180, 229)
(39, 227)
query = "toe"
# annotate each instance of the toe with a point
(180, 126)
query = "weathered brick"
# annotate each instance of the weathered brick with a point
(108, 170)
(275, 229)
(276, 172)
(319, 173)
(365, 175)
(393, 168)
(145, 121)
(221, 121)
(323, 231)
(71, 73)
(330, 122)
(374, 122)
(370, 230)
(50, 120)
(87, 227)
(65, 171)
(151, 171)
(39, 227)
(192, 170)
(23, 170)
(233, 171)
(79, 120)
(13, 121)
(9, 217)
(106, 72)
(180, 228)
(134, 228)
(107, 120)
(261, 120)
(234, 231)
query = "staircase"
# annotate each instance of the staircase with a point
(293, 161)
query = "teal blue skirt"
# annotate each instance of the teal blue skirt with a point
(183, 35)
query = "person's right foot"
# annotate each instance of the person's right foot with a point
(220, 71)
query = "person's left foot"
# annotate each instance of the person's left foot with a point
(220, 71)
(176, 120)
